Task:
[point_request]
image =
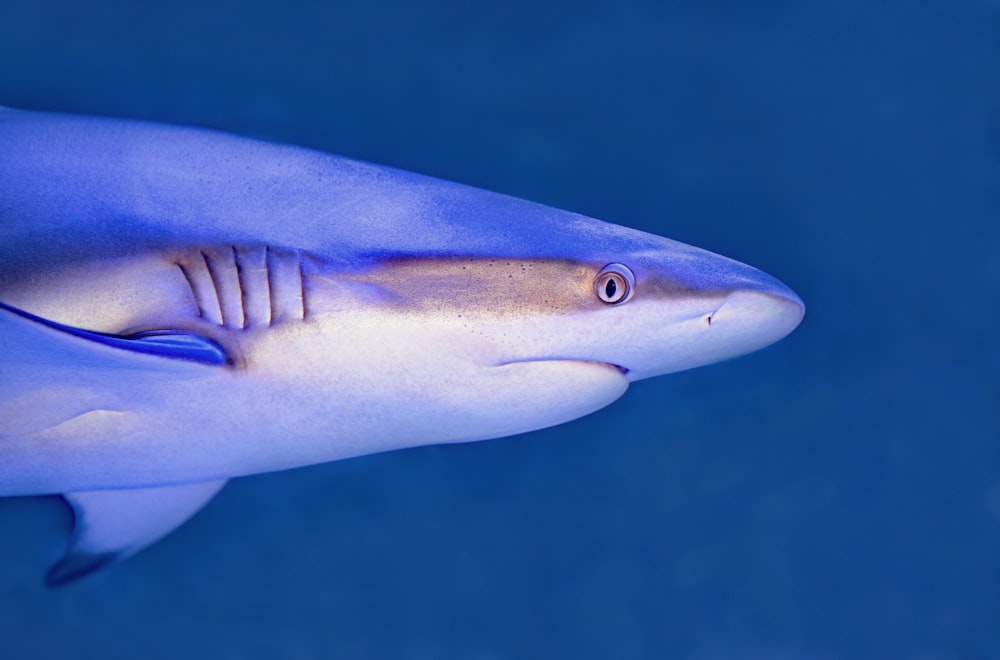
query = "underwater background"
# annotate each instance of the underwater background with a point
(834, 496)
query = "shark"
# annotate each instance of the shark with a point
(181, 306)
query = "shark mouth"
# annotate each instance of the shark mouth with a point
(620, 369)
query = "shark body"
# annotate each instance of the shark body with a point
(180, 306)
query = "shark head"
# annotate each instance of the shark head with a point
(512, 343)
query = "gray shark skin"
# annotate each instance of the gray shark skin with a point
(181, 306)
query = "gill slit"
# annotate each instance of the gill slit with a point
(272, 313)
(214, 275)
(302, 287)
(194, 293)
(240, 283)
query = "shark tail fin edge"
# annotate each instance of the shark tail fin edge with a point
(111, 525)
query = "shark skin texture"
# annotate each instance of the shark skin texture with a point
(180, 306)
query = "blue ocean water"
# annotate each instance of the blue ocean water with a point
(834, 496)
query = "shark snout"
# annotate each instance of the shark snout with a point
(737, 322)
(748, 319)
(756, 309)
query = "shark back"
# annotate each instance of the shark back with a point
(75, 187)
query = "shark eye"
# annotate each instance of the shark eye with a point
(614, 284)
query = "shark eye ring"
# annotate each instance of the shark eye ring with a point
(614, 284)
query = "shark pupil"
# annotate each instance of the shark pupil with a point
(610, 288)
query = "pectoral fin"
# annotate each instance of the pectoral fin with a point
(166, 343)
(111, 525)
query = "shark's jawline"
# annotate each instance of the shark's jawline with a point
(620, 369)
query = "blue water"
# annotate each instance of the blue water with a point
(834, 496)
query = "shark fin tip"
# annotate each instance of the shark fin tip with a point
(74, 565)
